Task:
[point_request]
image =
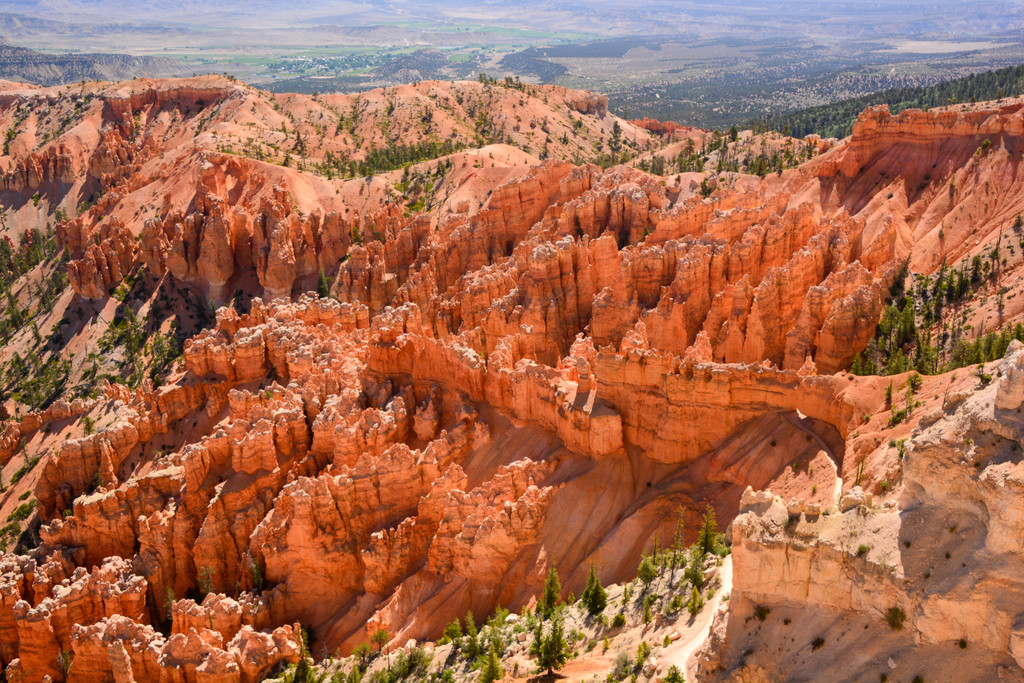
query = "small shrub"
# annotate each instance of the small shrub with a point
(643, 651)
(862, 550)
(646, 572)
(619, 621)
(895, 617)
(452, 632)
(696, 602)
(817, 643)
(673, 675)
(914, 381)
(623, 667)
(761, 612)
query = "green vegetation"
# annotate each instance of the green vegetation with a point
(836, 119)
(737, 157)
(673, 675)
(595, 597)
(708, 540)
(550, 647)
(491, 670)
(895, 617)
(646, 571)
(24, 469)
(696, 602)
(34, 246)
(549, 599)
(22, 512)
(389, 158)
(924, 328)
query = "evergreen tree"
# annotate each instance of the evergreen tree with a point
(646, 572)
(595, 597)
(471, 643)
(708, 531)
(452, 632)
(695, 568)
(552, 650)
(491, 670)
(549, 598)
(302, 672)
(380, 639)
(677, 540)
(323, 285)
(696, 602)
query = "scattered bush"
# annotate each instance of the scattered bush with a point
(895, 617)
(673, 675)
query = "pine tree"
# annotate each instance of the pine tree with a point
(471, 643)
(695, 568)
(452, 632)
(491, 670)
(552, 651)
(552, 590)
(646, 572)
(696, 602)
(323, 285)
(595, 597)
(302, 671)
(380, 639)
(708, 530)
(677, 541)
(538, 639)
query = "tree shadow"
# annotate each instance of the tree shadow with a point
(546, 678)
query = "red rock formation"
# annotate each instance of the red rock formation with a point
(539, 382)
(956, 517)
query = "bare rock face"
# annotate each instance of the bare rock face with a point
(1010, 395)
(865, 562)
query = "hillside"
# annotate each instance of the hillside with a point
(292, 381)
(835, 120)
(31, 66)
(107, 164)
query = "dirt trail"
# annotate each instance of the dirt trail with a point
(681, 652)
